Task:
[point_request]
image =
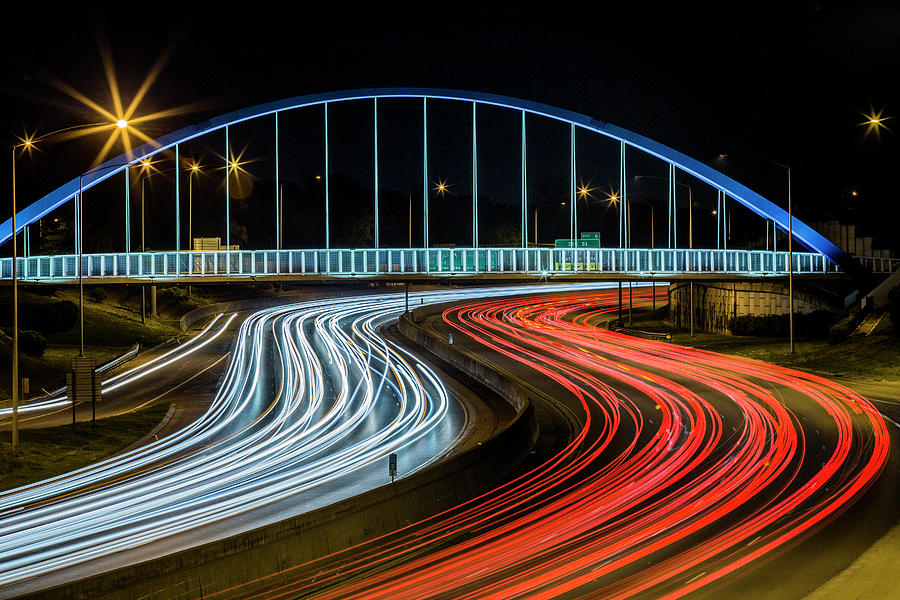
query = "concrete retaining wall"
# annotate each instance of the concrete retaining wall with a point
(248, 556)
(505, 387)
(716, 303)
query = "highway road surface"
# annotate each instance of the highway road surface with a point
(312, 401)
(687, 474)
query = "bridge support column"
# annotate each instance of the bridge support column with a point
(630, 302)
(153, 314)
(692, 308)
(620, 301)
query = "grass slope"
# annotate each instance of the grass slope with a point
(45, 453)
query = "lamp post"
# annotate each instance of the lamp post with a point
(280, 216)
(690, 234)
(143, 246)
(790, 243)
(195, 168)
(27, 143)
(690, 207)
(15, 302)
(539, 208)
(80, 229)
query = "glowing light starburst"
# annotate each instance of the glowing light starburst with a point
(122, 120)
(442, 187)
(874, 123)
(584, 191)
(240, 179)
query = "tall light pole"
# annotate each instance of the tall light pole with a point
(80, 229)
(195, 168)
(690, 206)
(539, 208)
(15, 302)
(145, 165)
(690, 233)
(280, 216)
(790, 243)
(28, 143)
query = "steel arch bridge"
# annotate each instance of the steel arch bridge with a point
(377, 262)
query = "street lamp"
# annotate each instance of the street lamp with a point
(690, 205)
(194, 169)
(28, 144)
(690, 231)
(15, 301)
(80, 231)
(539, 208)
(790, 243)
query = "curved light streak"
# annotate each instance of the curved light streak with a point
(688, 467)
(59, 399)
(274, 430)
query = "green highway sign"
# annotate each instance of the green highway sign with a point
(567, 243)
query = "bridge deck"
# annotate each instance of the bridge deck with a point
(412, 263)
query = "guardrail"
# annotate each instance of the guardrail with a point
(879, 264)
(188, 265)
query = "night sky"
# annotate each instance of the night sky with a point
(789, 83)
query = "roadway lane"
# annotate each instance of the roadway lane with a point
(190, 370)
(689, 472)
(312, 401)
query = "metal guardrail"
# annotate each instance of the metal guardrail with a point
(647, 335)
(189, 265)
(107, 366)
(879, 264)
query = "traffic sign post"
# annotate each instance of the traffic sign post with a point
(82, 384)
(392, 466)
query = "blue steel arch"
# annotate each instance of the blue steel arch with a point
(747, 197)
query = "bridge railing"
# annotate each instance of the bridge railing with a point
(878, 264)
(400, 261)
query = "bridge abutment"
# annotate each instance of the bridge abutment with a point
(717, 302)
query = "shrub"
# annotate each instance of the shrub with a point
(98, 294)
(173, 294)
(839, 332)
(894, 309)
(32, 342)
(846, 325)
(814, 324)
(46, 318)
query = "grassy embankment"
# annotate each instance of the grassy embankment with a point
(875, 357)
(53, 451)
(112, 325)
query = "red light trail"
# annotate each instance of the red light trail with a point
(689, 465)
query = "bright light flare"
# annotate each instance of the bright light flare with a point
(442, 187)
(120, 122)
(584, 191)
(874, 123)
